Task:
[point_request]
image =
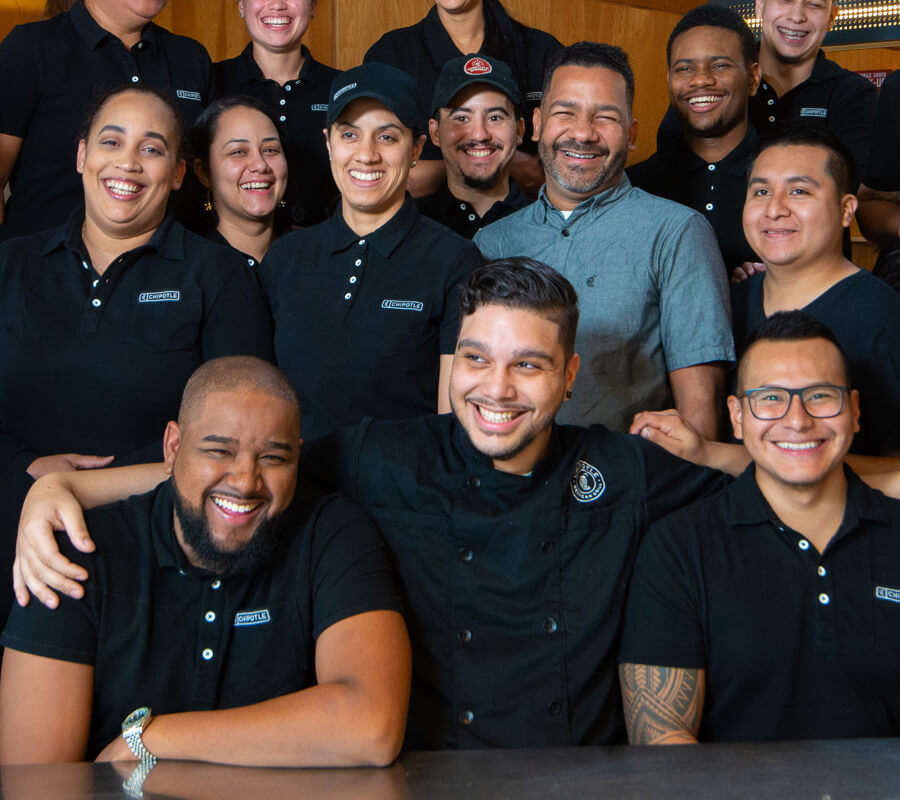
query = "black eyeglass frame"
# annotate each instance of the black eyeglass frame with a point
(799, 394)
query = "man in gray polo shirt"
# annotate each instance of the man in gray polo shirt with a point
(655, 314)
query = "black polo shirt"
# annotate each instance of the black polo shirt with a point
(795, 644)
(832, 96)
(461, 217)
(422, 49)
(300, 106)
(863, 312)
(96, 364)
(883, 173)
(515, 585)
(361, 321)
(716, 190)
(164, 634)
(52, 70)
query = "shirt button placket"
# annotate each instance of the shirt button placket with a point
(210, 626)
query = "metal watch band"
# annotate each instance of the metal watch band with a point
(136, 745)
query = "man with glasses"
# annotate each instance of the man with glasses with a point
(798, 204)
(772, 609)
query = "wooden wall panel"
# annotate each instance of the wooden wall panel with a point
(868, 58)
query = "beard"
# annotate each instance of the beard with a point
(481, 183)
(718, 127)
(240, 562)
(584, 181)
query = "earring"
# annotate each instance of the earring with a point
(282, 204)
(208, 203)
(414, 163)
(568, 394)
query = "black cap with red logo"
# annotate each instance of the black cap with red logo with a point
(458, 73)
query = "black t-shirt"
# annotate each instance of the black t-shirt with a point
(883, 172)
(796, 645)
(717, 190)
(162, 633)
(300, 106)
(514, 585)
(52, 71)
(361, 321)
(461, 217)
(864, 315)
(422, 49)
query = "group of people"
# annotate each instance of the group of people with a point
(473, 398)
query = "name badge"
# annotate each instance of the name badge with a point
(814, 112)
(884, 593)
(184, 94)
(258, 617)
(403, 305)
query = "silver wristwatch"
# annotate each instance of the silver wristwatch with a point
(132, 727)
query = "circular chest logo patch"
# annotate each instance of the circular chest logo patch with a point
(587, 482)
(477, 66)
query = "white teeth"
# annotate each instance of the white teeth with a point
(122, 187)
(366, 176)
(276, 21)
(479, 153)
(256, 185)
(497, 417)
(585, 156)
(795, 35)
(797, 445)
(234, 508)
(704, 100)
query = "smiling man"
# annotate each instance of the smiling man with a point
(215, 592)
(713, 72)
(478, 125)
(655, 316)
(770, 611)
(797, 207)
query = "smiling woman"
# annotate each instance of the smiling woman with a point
(106, 317)
(365, 304)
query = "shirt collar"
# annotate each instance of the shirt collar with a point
(440, 46)
(385, 240)
(167, 240)
(687, 161)
(93, 34)
(596, 203)
(823, 69)
(747, 506)
(248, 70)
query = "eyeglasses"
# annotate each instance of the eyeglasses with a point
(821, 401)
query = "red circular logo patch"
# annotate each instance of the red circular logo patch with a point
(477, 66)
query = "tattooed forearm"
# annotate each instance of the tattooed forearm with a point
(663, 705)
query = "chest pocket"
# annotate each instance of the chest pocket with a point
(166, 319)
(268, 654)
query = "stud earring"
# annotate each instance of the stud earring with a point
(414, 163)
(282, 204)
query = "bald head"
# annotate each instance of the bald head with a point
(234, 374)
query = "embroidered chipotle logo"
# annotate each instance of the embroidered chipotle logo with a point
(477, 66)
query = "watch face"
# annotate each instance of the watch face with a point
(136, 719)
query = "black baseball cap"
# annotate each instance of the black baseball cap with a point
(389, 85)
(458, 73)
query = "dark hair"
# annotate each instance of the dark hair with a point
(790, 326)
(94, 109)
(205, 128)
(501, 36)
(716, 17)
(838, 161)
(528, 284)
(592, 54)
(887, 266)
(234, 374)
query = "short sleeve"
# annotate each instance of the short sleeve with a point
(67, 633)
(662, 623)
(20, 56)
(695, 312)
(883, 165)
(351, 567)
(673, 483)
(469, 257)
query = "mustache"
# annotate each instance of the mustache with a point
(473, 145)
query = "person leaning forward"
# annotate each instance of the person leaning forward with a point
(259, 633)
(513, 536)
